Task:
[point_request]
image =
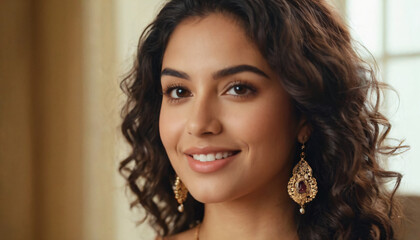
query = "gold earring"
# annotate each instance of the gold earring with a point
(302, 187)
(180, 193)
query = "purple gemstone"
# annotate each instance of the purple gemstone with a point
(301, 187)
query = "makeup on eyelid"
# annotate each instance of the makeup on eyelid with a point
(249, 88)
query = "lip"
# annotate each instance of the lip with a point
(209, 167)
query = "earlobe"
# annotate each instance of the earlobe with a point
(304, 130)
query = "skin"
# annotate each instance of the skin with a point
(246, 197)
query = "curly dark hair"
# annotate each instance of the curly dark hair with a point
(310, 48)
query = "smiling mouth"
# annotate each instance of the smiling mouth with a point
(213, 156)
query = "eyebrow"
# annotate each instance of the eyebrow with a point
(219, 74)
(174, 73)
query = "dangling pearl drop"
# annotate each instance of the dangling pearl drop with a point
(302, 210)
(181, 208)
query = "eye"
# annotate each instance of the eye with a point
(177, 92)
(240, 89)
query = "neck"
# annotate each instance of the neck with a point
(260, 215)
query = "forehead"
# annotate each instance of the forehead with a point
(217, 40)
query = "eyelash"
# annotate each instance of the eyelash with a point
(168, 90)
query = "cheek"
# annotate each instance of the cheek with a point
(170, 128)
(264, 124)
(268, 130)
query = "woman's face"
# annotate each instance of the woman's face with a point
(226, 123)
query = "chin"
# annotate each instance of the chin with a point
(211, 199)
(211, 195)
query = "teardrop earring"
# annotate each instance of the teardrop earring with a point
(181, 193)
(302, 187)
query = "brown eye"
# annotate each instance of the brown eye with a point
(179, 92)
(239, 90)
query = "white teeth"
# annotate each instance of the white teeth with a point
(211, 157)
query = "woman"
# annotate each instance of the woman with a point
(252, 119)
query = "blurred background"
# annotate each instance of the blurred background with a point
(61, 62)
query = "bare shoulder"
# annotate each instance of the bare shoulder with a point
(186, 235)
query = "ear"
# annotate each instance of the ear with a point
(304, 130)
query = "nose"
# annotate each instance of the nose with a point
(204, 118)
